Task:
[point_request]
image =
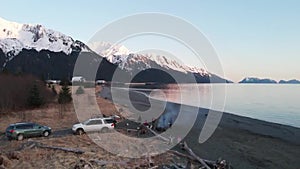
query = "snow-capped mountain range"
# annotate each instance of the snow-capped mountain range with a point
(35, 44)
(15, 36)
(119, 54)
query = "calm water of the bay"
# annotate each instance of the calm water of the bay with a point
(279, 103)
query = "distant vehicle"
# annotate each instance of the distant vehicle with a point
(94, 125)
(78, 79)
(53, 81)
(100, 82)
(19, 131)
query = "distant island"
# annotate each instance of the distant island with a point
(257, 80)
(293, 81)
(268, 81)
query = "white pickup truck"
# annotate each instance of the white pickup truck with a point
(94, 125)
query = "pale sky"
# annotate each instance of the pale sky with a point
(252, 38)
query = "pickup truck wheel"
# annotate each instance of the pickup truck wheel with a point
(46, 133)
(20, 137)
(80, 131)
(104, 130)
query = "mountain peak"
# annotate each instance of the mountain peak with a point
(15, 36)
(8, 23)
(119, 54)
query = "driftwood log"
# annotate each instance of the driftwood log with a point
(205, 164)
(32, 144)
(191, 158)
(72, 150)
(158, 135)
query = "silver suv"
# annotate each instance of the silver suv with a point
(94, 125)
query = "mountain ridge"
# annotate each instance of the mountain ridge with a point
(20, 42)
(119, 54)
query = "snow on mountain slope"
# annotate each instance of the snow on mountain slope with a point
(172, 64)
(119, 54)
(14, 37)
(116, 54)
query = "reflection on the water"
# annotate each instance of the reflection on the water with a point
(274, 103)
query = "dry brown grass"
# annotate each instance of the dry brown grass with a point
(49, 115)
(45, 158)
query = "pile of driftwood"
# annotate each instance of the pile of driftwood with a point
(190, 156)
(204, 164)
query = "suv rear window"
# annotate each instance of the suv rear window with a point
(109, 121)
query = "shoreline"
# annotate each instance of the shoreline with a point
(253, 125)
(245, 142)
(244, 100)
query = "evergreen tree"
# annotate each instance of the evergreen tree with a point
(64, 95)
(80, 90)
(34, 98)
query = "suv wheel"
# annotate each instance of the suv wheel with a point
(104, 130)
(46, 133)
(79, 131)
(20, 137)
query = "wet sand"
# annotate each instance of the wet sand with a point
(246, 143)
